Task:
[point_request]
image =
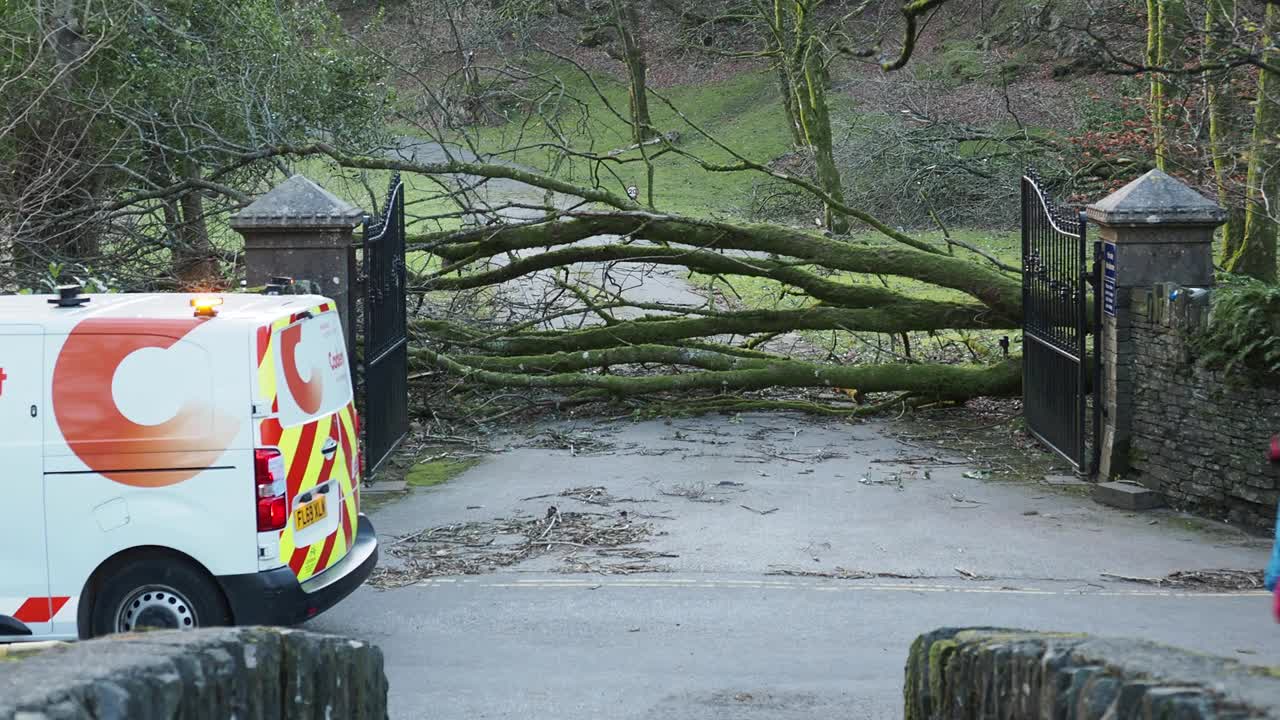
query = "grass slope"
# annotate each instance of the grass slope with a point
(743, 112)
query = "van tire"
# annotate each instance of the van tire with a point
(165, 591)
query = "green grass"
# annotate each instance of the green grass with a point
(743, 112)
(438, 472)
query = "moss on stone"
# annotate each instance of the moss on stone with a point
(912, 688)
(1272, 671)
(939, 653)
(438, 472)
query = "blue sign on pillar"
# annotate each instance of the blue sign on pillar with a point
(1109, 278)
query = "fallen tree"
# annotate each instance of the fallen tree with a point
(721, 372)
(563, 276)
(578, 287)
(559, 265)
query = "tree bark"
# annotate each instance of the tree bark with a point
(999, 292)
(1256, 255)
(1155, 42)
(909, 315)
(194, 264)
(722, 372)
(1222, 106)
(1172, 29)
(802, 66)
(787, 92)
(817, 128)
(627, 19)
(829, 292)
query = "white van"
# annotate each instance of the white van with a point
(175, 461)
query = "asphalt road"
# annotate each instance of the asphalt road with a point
(716, 635)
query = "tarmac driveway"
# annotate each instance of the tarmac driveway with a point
(766, 566)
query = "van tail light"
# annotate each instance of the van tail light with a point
(269, 477)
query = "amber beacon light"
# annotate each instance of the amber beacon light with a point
(206, 306)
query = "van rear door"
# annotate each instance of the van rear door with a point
(304, 378)
(24, 580)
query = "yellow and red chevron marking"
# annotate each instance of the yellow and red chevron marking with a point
(304, 466)
(35, 609)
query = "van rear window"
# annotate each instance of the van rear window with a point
(313, 377)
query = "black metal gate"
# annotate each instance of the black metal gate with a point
(1056, 277)
(386, 343)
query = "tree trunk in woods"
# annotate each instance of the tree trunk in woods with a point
(1219, 21)
(1168, 27)
(803, 75)
(194, 264)
(787, 92)
(470, 99)
(1155, 43)
(627, 19)
(51, 173)
(1256, 255)
(816, 122)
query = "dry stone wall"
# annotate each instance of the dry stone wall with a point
(994, 674)
(214, 674)
(1198, 437)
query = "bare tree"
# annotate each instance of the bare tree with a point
(120, 117)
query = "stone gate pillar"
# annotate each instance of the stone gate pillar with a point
(302, 231)
(1155, 230)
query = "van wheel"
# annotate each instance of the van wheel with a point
(155, 591)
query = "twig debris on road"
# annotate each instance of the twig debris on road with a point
(598, 542)
(1208, 580)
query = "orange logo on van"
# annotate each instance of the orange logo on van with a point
(110, 443)
(308, 394)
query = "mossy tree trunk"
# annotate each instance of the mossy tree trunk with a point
(1256, 255)
(1220, 19)
(631, 33)
(803, 75)
(1168, 28)
(787, 93)
(1155, 10)
(724, 371)
(194, 264)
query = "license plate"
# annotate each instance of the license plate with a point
(307, 515)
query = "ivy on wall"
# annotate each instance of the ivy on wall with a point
(1243, 334)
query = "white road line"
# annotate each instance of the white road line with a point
(686, 583)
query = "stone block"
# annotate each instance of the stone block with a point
(995, 674)
(210, 674)
(1127, 496)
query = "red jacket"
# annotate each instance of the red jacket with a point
(1274, 453)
